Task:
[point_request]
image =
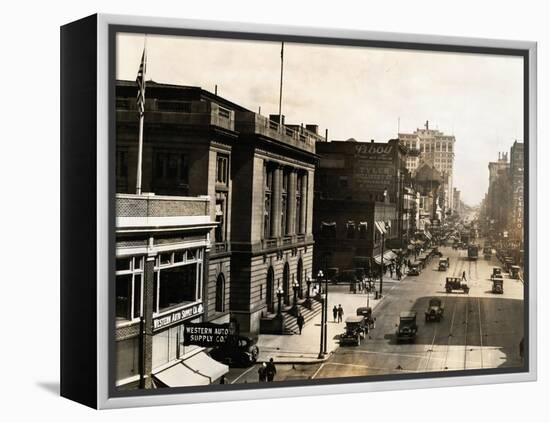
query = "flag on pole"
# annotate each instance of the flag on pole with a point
(140, 80)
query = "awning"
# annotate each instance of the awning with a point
(389, 255)
(428, 235)
(207, 366)
(199, 369)
(180, 375)
(328, 224)
(380, 226)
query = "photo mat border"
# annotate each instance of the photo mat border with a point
(110, 25)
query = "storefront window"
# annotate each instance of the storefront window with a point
(128, 289)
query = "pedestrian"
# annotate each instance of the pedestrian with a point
(271, 370)
(300, 322)
(262, 372)
(464, 275)
(335, 312)
(398, 273)
(391, 272)
(222, 380)
(340, 313)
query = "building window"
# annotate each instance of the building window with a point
(328, 230)
(170, 166)
(178, 280)
(220, 293)
(285, 203)
(128, 289)
(299, 205)
(221, 216)
(362, 230)
(222, 169)
(268, 193)
(121, 164)
(350, 229)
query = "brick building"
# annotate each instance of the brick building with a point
(358, 184)
(516, 215)
(162, 248)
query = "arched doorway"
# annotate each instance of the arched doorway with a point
(269, 290)
(300, 277)
(286, 284)
(220, 293)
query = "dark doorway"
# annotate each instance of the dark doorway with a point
(286, 284)
(300, 278)
(269, 290)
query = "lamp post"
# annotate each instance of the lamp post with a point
(325, 304)
(321, 343)
(280, 294)
(295, 287)
(308, 283)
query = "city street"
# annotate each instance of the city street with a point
(479, 330)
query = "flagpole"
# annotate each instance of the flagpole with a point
(141, 118)
(281, 88)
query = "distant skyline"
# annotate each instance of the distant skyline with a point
(355, 92)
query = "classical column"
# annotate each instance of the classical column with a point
(291, 218)
(276, 202)
(303, 204)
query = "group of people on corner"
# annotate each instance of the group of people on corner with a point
(267, 371)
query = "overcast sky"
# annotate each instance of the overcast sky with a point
(354, 92)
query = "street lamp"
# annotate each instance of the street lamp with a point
(295, 287)
(307, 302)
(323, 299)
(280, 294)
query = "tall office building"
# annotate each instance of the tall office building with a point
(436, 149)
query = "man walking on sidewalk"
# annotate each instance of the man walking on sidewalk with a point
(300, 322)
(464, 275)
(340, 313)
(262, 373)
(335, 312)
(271, 370)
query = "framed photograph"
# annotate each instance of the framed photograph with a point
(254, 211)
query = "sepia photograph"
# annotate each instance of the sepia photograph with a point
(300, 212)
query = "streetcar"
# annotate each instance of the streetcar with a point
(473, 251)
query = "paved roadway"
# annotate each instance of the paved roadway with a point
(479, 330)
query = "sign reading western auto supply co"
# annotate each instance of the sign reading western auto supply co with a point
(374, 167)
(177, 316)
(205, 334)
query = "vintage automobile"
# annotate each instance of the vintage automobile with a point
(487, 253)
(237, 350)
(434, 311)
(443, 264)
(355, 331)
(514, 272)
(414, 269)
(436, 252)
(497, 271)
(508, 263)
(406, 330)
(498, 285)
(366, 312)
(455, 284)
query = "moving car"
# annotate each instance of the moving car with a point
(497, 271)
(354, 332)
(434, 311)
(443, 264)
(414, 270)
(498, 285)
(455, 284)
(407, 328)
(237, 350)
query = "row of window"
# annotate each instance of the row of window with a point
(353, 230)
(177, 280)
(270, 202)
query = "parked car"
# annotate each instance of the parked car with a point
(514, 272)
(237, 350)
(366, 312)
(497, 271)
(414, 270)
(355, 331)
(434, 311)
(407, 328)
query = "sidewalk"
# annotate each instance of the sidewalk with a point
(305, 348)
